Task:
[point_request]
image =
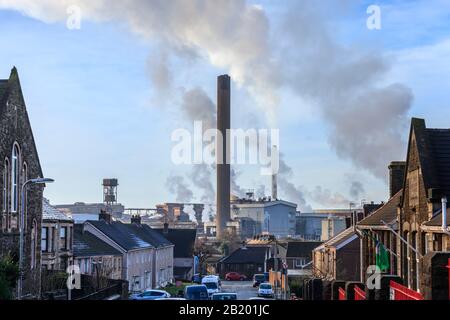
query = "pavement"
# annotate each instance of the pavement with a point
(244, 289)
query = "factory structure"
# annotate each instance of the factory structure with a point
(245, 217)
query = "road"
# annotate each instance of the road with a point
(244, 289)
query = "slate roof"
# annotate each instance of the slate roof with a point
(440, 146)
(296, 249)
(131, 236)
(436, 221)
(86, 244)
(183, 239)
(51, 213)
(340, 238)
(246, 255)
(434, 155)
(3, 87)
(387, 213)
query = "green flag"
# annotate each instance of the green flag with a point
(382, 257)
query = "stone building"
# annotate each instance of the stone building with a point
(426, 184)
(56, 238)
(19, 162)
(375, 232)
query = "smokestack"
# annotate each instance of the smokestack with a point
(223, 163)
(274, 180)
(396, 176)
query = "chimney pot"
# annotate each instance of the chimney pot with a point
(136, 219)
(104, 216)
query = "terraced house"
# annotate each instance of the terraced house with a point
(19, 163)
(426, 188)
(147, 256)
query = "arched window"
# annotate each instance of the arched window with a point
(15, 171)
(33, 244)
(5, 185)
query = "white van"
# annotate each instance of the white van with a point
(212, 283)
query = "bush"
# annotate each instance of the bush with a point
(173, 289)
(9, 273)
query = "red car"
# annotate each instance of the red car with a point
(234, 276)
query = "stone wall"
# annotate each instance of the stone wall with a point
(15, 128)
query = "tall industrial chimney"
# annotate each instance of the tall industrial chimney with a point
(274, 180)
(223, 163)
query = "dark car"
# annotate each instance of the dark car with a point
(235, 276)
(196, 292)
(224, 296)
(258, 279)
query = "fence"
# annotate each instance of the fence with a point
(342, 294)
(359, 293)
(399, 292)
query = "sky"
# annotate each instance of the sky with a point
(104, 99)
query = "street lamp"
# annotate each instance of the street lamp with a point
(30, 181)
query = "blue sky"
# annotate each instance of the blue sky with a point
(96, 113)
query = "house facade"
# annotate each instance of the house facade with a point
(56, 238)
(299, 254)
(147, 257)
(95, 257)
(183, 253)
(426, 187)
(19, 162)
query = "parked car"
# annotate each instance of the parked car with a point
(212, 284)
(235, 276)
(224, 296)
(258, 279)
(196, 278)
(265, 290)
(259, 298)
(150, 295)
(196, 292)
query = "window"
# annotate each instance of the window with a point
(63, 238)
(15, 178)
(5, 185)
(300, 262)
(44, 239)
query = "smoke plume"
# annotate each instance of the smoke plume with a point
(177, 186)
(364, 117)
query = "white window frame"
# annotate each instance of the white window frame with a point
(302, 262)
(44, 248)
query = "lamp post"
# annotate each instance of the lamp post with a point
(21, 241)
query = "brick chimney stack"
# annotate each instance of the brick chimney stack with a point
(104, 216)
(396, 177)
(136, 219)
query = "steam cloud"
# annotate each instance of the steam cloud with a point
(365, 119)
(177, 186)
